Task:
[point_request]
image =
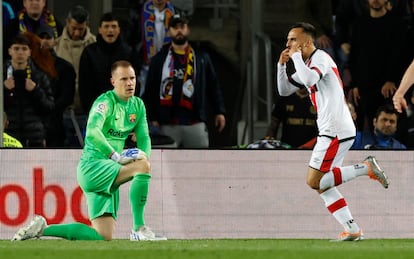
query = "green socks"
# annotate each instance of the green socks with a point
(138, 198)
(72, 231)
(77, 231)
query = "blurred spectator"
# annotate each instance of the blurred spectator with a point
(9, 141)
(30, 18)
(375, 60)
(297, 117)
(155, 17)
(75, 37)
(348, 12)
(97, 58)
(181, 81)
(62, 82)
(28, 99)
(382, 137)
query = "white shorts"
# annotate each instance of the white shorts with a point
(329, 153)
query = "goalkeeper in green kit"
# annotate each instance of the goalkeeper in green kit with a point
(104, 166)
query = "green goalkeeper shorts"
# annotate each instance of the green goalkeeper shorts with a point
(96, 177)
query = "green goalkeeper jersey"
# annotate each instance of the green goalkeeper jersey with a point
(110, 122)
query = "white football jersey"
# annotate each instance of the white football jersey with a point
(320, 75)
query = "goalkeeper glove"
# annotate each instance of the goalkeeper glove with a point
(130, 155)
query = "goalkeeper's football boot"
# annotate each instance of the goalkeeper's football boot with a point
(33, 230)
(145, 234)
(375, 172)
(346, 236)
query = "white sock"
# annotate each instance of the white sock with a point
(361, 169)
(340, 175)
(336, 204)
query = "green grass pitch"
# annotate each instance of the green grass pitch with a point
(209, 248)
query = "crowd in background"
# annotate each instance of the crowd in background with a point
(54, 73)
(67, 66)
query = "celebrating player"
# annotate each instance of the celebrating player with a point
(316, 71)
(104, 166)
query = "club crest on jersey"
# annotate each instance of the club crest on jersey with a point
(132, 117)
(101, 108)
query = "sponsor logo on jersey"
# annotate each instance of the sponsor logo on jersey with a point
(117, 133)
(101, 108)
(132, 117)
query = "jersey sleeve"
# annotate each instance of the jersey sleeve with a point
(141, 129)
(308, 75)
(285, 85)
(101, 109)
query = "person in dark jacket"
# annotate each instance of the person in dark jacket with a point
(28, 99)
(181, 81)
(376, 64)
(97, 58)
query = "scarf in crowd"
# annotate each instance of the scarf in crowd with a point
(10, 70)
(148, 28)
(46, 18)
(167, 80)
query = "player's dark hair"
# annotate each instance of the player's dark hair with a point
(120, 63)
(79, 14)
(307, 28)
